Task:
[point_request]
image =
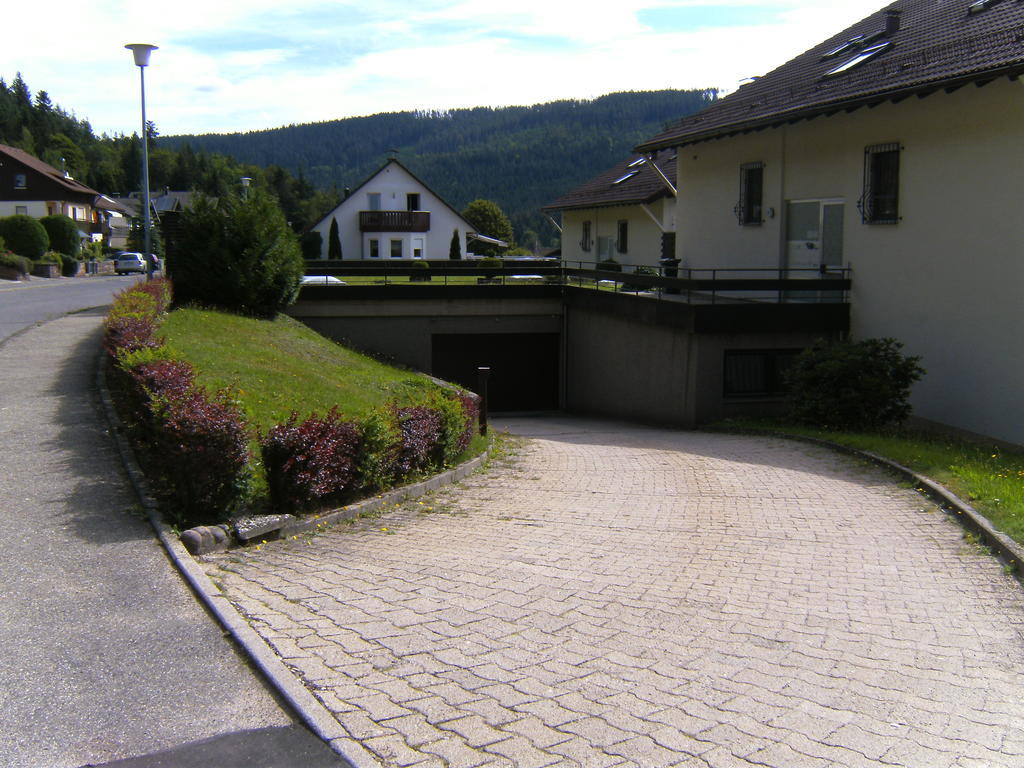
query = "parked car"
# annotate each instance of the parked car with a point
(129, 261)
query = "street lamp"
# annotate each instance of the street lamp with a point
(141, 52)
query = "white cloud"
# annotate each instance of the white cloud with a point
(234, 66)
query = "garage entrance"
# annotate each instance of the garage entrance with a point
(524, 366)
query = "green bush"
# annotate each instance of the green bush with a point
(455, 246)
(847, 385)
(15, 262)
(312, 244)
(69, 265)
(424, 269)
(63, 234)
(93, 251)
(490, 262)
(609, 265)
(25, 236)
(377, 459)
(237, 253)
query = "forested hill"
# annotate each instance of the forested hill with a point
(520, 157)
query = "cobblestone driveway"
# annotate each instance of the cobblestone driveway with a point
(624, 596)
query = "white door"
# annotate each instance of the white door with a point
(814, 235)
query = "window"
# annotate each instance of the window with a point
(756, 373)
(374, 200)
(622, 244)
(396, 249)
(374, 249)
(20, 181)
(748, 209)
(585, 242)
(865, 55)
(21, 210)
(879, 204)
(412, 201)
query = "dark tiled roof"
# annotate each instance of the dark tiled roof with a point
(939, 44)
(39, 166)
(645, 186)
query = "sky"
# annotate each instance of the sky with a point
(226, 66)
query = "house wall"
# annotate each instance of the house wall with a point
(644, 241)
(945, 280)
(392, 183)
(35, 208)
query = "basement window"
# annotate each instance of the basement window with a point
(756, 373)
(879, 203)
(866, 55)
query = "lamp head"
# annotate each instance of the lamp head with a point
(141, 52)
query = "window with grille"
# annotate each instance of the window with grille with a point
(879, 204)
(585, 237)
(748, 209)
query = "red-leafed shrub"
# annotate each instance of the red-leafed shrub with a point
(200, 453)
(165, 378)
(160, 289)
(420, 428)
(470, 404)
(311, 461)
(133, 320)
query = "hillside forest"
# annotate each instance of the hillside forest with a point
(519, 157)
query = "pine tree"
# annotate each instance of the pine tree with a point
(334, 242)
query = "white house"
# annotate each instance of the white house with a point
(393, 215)
(627, 213)
(894, 148)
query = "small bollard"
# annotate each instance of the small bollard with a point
(483, 372)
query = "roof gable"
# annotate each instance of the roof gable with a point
(937, 44)
(375, 174)
(631, 182)
(33, 163)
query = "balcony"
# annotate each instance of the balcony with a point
(394, 221)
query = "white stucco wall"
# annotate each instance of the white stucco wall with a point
(35, 208)
(946, 280)
(393, 183)
(643, 242)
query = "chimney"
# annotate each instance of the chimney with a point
(892, 21)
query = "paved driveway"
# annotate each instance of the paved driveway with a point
(624, 596)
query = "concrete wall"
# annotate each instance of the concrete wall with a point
(643, 242)
(393, 183)
(945, 280)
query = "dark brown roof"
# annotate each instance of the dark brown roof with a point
(37, 165)
(939, 44)
(643, 186)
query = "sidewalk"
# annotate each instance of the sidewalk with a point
(105, 652)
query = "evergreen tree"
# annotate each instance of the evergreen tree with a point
(334, 242)
(455, 249)
(488, 219)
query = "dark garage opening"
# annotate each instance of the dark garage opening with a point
(524, 366)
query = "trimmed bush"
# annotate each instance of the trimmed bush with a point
(863, 385)
(420, 427)
(457, 425)
(200, 454)
(132, 323)
(25, 236)
(63, 234)
(609, 265)
(379, 451)
(19, 264)
(310, 462)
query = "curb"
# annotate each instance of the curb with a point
(309, 709)
(967, 516)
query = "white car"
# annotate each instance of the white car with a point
(128, 261)
(321, 280)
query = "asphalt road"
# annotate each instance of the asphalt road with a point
(24, 304)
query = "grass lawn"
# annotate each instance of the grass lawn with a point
(990, 478)
(275, 367)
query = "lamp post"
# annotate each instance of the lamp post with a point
(141, 52)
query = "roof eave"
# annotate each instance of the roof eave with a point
(1013, 71)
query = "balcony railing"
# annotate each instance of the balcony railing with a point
(394, 221)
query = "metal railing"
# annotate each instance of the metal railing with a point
(668, 283)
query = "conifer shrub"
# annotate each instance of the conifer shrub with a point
(310, 462)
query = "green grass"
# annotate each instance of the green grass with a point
(989, 477)
(275, 367)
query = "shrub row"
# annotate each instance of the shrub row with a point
(326, 459)
(195, 445)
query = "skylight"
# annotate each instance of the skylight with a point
(844, 47)
(635, 163)
(980, 5)
(629, 175)
(860, 58)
